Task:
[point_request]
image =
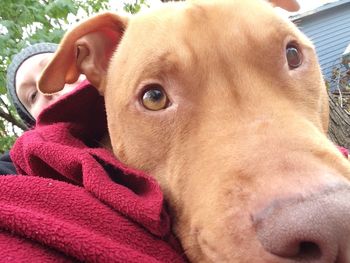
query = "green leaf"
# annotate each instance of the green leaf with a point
(6, 143)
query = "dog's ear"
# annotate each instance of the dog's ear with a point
(289, 5)
(86, 49)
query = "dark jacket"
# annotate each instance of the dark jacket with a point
(6, 165)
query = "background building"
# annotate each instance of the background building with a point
(329, 28)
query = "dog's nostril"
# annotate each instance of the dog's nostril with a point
(299, 251)
(314, 229)
(309, 251)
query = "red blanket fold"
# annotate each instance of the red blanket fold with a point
(77, 201)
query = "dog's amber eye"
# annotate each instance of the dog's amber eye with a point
(294, 56)
(154, 98)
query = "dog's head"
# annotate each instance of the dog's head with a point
(224, 103)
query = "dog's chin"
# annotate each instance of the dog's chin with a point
(210, 235)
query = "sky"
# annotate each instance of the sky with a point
(306, 5)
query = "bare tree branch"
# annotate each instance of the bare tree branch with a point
(8, 116)
(11, 119)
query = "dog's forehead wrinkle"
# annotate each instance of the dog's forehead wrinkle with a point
(159, 62)
(206, 40)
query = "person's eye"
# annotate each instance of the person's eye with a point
(32, 96)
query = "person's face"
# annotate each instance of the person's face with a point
(27, 77)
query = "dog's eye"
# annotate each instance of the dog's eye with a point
(294, 56)
(154, 97)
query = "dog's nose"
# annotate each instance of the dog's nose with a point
(313, 229)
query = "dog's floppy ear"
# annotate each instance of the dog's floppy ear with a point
(86, 49)
(289, 5)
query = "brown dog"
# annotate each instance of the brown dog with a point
(224, 103)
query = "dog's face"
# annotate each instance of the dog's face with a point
(224, 103)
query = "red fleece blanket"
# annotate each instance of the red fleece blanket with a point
(77, 202)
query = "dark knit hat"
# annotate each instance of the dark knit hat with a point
(11, 76)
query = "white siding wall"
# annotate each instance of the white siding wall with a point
(330, 32)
